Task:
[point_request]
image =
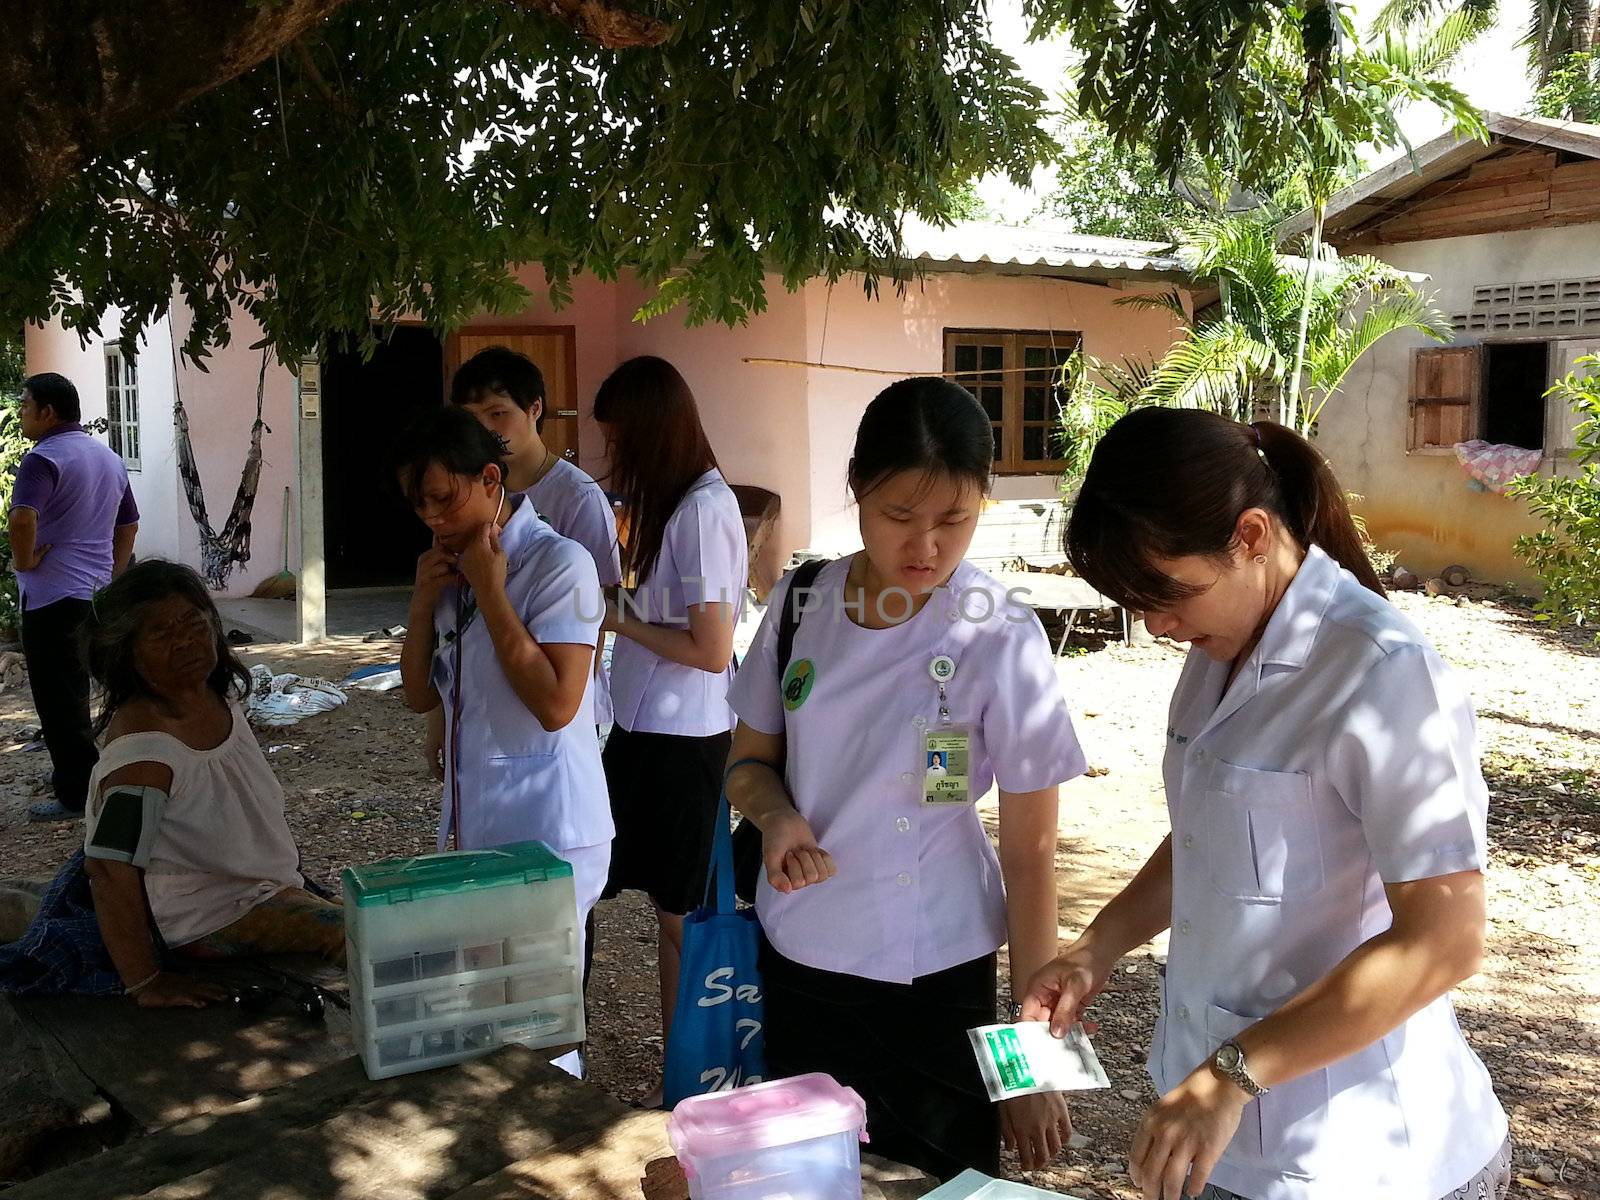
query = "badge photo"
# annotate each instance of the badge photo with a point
(945, 752)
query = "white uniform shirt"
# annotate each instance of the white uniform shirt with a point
(576, 507)
(704, 560)
(1344, 757)
(515, 780)
(918, 888)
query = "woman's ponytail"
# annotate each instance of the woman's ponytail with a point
(1315, 506)
(1166, 483)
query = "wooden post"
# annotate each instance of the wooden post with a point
(311, 586)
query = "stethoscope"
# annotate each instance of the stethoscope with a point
(466, 609)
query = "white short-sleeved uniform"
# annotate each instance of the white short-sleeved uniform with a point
(1344, 757)
(513, 779)
(575, 507)
(918, 888)
(704, 560)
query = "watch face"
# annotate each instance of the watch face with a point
(1228, 1057)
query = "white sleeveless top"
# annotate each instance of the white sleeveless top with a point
(224, 845)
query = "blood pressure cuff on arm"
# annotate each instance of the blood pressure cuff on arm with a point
(122, 826)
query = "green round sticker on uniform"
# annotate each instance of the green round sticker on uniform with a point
(797, 681)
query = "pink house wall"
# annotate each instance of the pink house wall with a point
(785, 428)
(594, 312)
(221, 406)
(754, 416)
(791, 429)
(221, 403)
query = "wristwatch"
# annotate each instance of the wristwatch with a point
(1228, 1062)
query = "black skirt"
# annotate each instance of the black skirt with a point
(664, 792)
(903, 1047)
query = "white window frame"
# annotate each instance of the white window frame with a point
(122, 406)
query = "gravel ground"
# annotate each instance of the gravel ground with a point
(357, 792)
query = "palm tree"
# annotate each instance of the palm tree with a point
(1271, 312)
(1556, 29)
(1317, 144)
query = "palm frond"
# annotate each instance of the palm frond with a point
(1098, 395)
(1127, 379)
(1215, 369)
(1548, 37)
(1391, 312)
(1168, 302)
(1398, 14)
(1428, 50)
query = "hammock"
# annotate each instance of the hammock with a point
(221, 553)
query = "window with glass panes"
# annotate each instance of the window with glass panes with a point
(122, 407)
(1017, 377)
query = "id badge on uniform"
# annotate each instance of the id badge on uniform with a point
(945, 755)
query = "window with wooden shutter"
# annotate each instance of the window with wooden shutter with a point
(1017, 376)
(1444, 397)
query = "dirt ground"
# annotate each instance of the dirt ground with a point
(357, 791)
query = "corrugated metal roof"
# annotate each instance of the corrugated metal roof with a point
(983, 247)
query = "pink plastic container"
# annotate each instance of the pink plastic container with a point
(791, 1139)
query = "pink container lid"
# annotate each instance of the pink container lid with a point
(762, 1116)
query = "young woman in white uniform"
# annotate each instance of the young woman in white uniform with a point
(673, 658)
(505, 390)
(883, 902)
(501, 638)
(1323, 881)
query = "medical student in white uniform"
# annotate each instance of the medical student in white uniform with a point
(501, 637)
(673, 659)
(914, 683)
(505, 390)
(1323, 880)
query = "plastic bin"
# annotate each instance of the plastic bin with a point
(790, 1139)
(453, 955)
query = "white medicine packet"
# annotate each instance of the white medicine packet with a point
(1021, 1059)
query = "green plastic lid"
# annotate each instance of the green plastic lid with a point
(399, 880)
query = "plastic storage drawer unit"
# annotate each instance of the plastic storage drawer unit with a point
(453, 955)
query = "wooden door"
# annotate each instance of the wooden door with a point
(553, 348)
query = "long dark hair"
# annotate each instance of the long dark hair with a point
(658, 449)
(117, 616)
(1171, 482)
(451, 437)
(923, 424)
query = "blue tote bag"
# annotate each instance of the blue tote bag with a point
(716, 1043)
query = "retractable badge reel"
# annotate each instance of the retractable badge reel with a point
(946, 747)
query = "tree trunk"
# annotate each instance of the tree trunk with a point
(1291, 405)
(75, 77)
(1584, 14)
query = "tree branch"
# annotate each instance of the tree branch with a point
(308, 66)
(69, 87)
(614, 26)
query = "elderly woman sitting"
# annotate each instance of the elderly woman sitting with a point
(185, 840)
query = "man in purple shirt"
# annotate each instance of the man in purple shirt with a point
(73, 521)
